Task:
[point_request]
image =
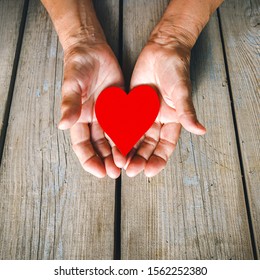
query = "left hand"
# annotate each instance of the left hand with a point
(166, 67)
(88, 69)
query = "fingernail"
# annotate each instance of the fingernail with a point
(61, 125)
(201, 127)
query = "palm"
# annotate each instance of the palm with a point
(89, 70)
(167, 69)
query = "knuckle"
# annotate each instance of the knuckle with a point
(150, 141)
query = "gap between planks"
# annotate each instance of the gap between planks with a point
(247, 203)
(13, 78)
(118, 182)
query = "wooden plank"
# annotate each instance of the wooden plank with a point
(108, 15)
(50, 208)
(136, 29)
(240, 23)
(9, 29)
(195, 208)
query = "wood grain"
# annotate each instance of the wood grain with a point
(195, 208)
(9, 29)
(50, 208)
(108, 15)
(241, 31)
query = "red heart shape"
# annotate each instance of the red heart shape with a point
(126, 117)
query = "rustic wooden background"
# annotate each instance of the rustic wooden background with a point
(204, 205)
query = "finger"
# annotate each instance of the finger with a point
(103, 148)
(169, 136)
(90, 161)
(146, 148)
(187, 116)
(119, 158)
(182, 100)
(132, 152)
(71, 104)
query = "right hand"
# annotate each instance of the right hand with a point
(88, 69)
(166, 67)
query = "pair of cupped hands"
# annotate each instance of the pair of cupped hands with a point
(89, 68)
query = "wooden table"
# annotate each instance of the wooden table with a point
(204, 205)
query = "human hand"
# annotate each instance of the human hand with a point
(165, 67)
(88, 69)
(164, 64)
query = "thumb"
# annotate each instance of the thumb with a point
(181, 100)
(71, 104)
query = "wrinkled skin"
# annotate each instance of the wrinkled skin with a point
(166, 67)
(88, 69)
(90, 66)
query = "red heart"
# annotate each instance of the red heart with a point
(126, 117)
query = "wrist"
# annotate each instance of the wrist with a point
(80, 34)
(183, 21)
(75, 21)
(175, 30)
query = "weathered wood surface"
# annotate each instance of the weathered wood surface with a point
(195, 208)
(241, 31)
(50, 208)
(9, 29)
